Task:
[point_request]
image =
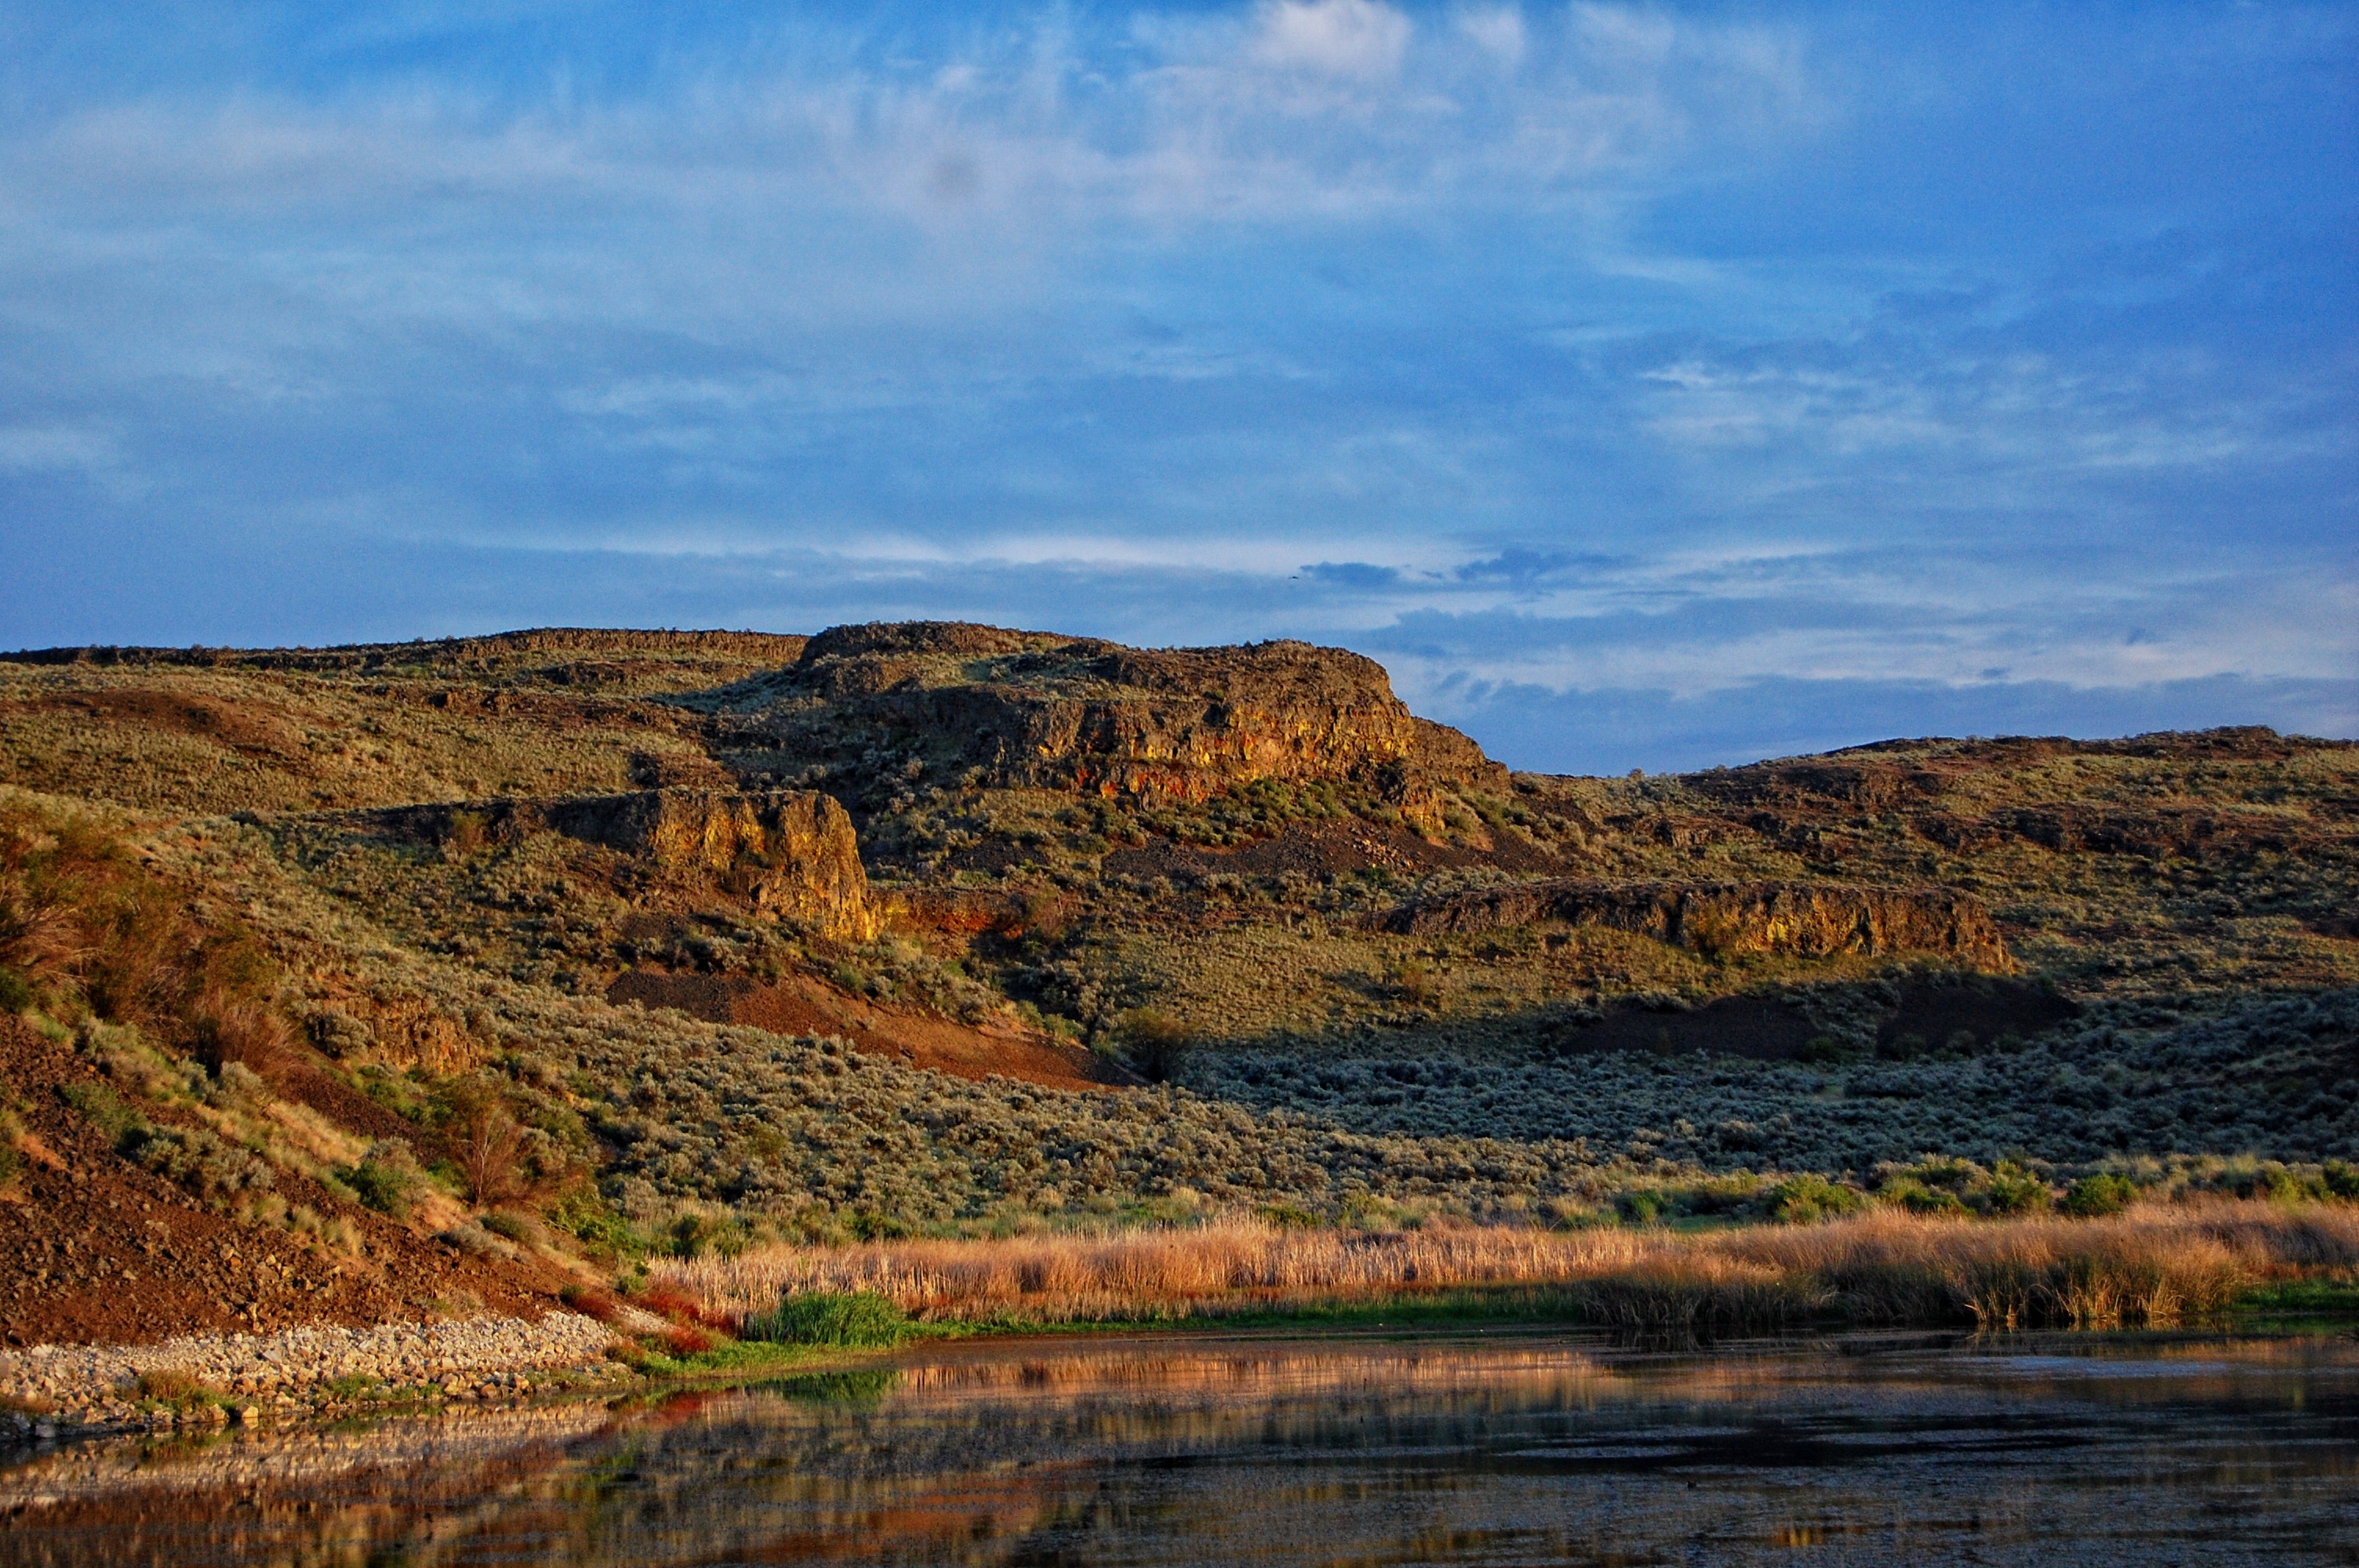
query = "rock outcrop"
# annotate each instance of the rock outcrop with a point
(791, 853)
(1733, 920)
(1042, 711)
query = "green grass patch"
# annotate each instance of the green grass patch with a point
(2337, 1299)
(856, 1320)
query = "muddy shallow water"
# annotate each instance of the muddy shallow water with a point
(1475, 1449)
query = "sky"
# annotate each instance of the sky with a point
(1649, 386)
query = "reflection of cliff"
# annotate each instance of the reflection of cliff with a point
(1803, 919)
(1077, 713)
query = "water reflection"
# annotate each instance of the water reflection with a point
(1506, 1450)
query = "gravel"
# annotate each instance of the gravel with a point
(214, 1378)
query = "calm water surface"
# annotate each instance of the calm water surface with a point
(1505, 1449)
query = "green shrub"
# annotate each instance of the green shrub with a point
(2013, 1190)
(857, 1320)
(105, 1110)
(386, 1179)
(1155, 1044)
(2281, 1185)
(1638, 1206)
(1799, 1200)
(2341, 1178)
(1826, 1051)
(693, 1235)
(2091, 1198)
(1909, 1193)
(17, 992)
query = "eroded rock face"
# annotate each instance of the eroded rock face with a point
(792, 853)
(1735, 920)
(1042, 711)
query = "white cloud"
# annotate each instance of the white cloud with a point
(56, 448)
(1359, 39)
(1499, 32)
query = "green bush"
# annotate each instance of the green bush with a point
(858, 1320)
(694, 1234)
(1909, 1193)
(1799, 1200)
(2013, 1190)
(105, 1110)
(15, 991)
(386, 1179)
(2091, 1198)
(1155, 1044)
(1638, 1206)
(2341, 1178)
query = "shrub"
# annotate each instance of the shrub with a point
(854, 1320)
(105, 1110)
(1638, 1206)
(591, 1303)
(1799, 1200)
(2092, 1197)
(2013, 1190)
(17, 992)
(1155, 1044)
(693, 1235)
(1909, 1193)
(1415, 984)
(489, 1146)
(201, 1162)
(171, 1386)
(386, 1179)
(2341, 1178)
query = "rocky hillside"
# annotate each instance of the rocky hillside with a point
(501, 962)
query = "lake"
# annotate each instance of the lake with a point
(1498, 1448)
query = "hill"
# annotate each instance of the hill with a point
(373, 977)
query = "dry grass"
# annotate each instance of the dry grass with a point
(2156, 1266)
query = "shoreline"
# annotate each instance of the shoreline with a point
(315, 1375)
(212, 1380)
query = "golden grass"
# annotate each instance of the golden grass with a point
(2156, 1266)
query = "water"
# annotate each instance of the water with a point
(1480, 1449)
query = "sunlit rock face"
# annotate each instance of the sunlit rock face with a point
(1735, 920)
(792, 852)
(1042, 711)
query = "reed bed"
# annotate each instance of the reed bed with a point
(2155, 1266)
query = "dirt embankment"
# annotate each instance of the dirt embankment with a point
(93, 1247)
(915, 1039)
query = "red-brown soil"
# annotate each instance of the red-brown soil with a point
(803, 1006)
(96, 1249)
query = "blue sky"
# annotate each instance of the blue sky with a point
(1644, 387)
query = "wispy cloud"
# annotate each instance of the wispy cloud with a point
(1547, 352)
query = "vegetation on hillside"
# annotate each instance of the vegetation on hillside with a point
(1319, 981)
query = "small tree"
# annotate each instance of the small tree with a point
(1155, 1044)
